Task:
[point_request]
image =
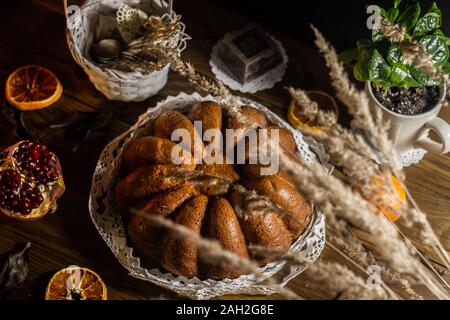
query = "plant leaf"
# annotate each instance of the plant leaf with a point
(364, 47)
(402, 77)
(409, 17)
(14, 271)
(434, 9)
(379, 69)
(349, 55)
(377, 35)
(395, 55)
(361, 71)
(410, 82)
(446, 67)
(392, 14)
(396, 3)
(384, 13)
(429, 22)
(399, 73)
(423, 78)
(438, 32)
(436, 47)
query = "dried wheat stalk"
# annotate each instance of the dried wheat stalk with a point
(345, 149)
(315, 183)
(204, 84)
(341, 204)
(346, 285)
(310, 109)
(393, 32)
(413, 52)
(351, 152)
(367, 119)
(416, 53)
(212, 250)
(357, 253)
(378, 138)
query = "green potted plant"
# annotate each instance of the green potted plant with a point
(409, 96)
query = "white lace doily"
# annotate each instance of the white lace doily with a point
(412, 156)
(266, 81)
(405, 158)
(109, 223)
(130, 22)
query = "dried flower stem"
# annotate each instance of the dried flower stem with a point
(427, 262)
(358, 266)
(212, 250)
(309, 109)
(355, 211)
(420, 217)
(393, 32)
(357, 102)
(345, 148)
(412, 51)
(355, 254)
(314, 181)
(347, 285)
(340, 279)
(200, 82)
(341, 204)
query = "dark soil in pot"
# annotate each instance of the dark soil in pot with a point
(410, 101)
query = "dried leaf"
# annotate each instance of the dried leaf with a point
(11, 123)
(75, 119)
(85, 126)
(14, 271)
(8, 124)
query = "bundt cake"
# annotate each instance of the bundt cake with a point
(208, 198)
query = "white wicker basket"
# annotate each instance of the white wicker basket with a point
(114, 84)
(108, 221)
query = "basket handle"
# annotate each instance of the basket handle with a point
(69, 10)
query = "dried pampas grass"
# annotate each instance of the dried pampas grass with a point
(203, 83)
(413, 52)
(353, 218)
(370, 120)
(310, 109)
(359, 256)
(393, 32)
(416, 54)
(345, 148)
(337, 279)
(332, 276)
(212, 251)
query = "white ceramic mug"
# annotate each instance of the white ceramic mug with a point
(408, 131)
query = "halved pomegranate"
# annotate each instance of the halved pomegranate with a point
(30, 181)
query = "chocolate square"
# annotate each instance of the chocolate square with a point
(249, 53)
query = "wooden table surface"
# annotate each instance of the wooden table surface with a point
(33, 32)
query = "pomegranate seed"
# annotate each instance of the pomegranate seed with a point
(30, 198)
(36, 162)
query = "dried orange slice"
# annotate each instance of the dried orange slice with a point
(394, 202)
(75, 283)
(391, 204)
(298, 121)
(32, 88)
